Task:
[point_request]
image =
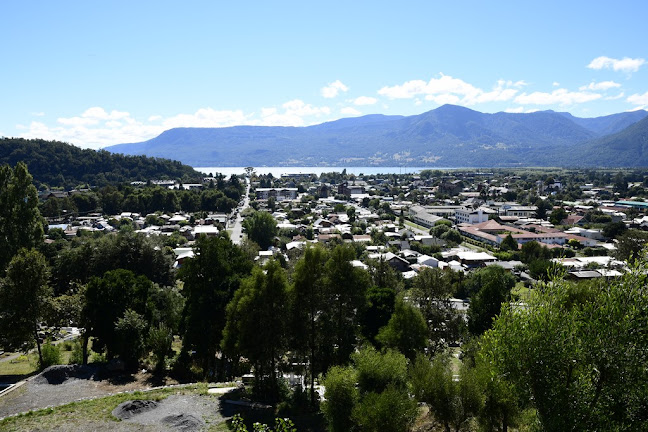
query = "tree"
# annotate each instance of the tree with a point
(614, 229)
(131, 330)
(452, 402)
(557, 215)
(578, 353)
(261, 228)
(24, 296)
(532, 251)
(432, 291)
(379, 309)
(346, 287)
(308, 300)
(509, 243)
(257, 322)
(21, 225)
(371, 396)
(341, 396)
(210, 279)
(106, 301)
(406, 330)
(494, 286)
(630, 244)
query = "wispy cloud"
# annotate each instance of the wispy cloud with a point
(447, 89)
(365, 100)
(350, 111)
(556, 97)
(638, 99)
(603, 85)
(625, 64)
(333, 89)
(96, 127)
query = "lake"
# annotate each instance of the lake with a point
(278, 171)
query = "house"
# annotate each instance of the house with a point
(419, 215)
(208, 230)
(518, 210)
(279, 194)
(473, 216)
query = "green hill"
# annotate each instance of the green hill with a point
(58, 164)
(628, 148)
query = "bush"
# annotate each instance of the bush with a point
(77, 352)
(51, 355)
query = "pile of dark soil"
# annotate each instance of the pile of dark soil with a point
(129, 409)
(61, 373)
(183, 422)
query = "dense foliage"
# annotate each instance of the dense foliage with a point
(58, 164)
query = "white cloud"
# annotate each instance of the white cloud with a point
(603, 85)
(155, 118)
(333, 89)
(350, 111)
(515, 110)
(559, 96)
(206, 117)
(625, 64)
(619, 96)
(556, 84)
(38, 114)
(447, 89)
(365, 100)
(293, 114)
(638, 99)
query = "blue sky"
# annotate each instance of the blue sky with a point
(124, 71)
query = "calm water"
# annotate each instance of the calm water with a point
(278, 171)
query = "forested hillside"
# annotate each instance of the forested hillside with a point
(57, 164)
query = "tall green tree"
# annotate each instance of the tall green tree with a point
(577, 353)
(630, 244)
(257, 324)
(21, 225)
(210, 279)
(24, 298)
(261, 228)
(106, 301)
(406, 330)
(370, 396)
(308, 300)
(493, 287)
(452, 402)
(346, 287)
(432, 291)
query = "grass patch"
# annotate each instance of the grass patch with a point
(415, 225)
(76, 414)
(23, 365)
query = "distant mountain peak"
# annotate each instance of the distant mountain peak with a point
(449, 135)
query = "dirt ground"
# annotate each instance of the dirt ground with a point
(64, 384)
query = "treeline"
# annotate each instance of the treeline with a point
(57, 164)
(218, 196)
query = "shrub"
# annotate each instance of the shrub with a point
(51, 355)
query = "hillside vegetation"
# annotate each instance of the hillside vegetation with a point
(57, 164)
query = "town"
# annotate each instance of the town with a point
(285, 293)
(459, 220)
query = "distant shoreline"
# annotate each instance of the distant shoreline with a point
(278, 171)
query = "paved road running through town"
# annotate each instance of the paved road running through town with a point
(237, 228)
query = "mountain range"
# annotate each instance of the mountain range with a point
(448, 136)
